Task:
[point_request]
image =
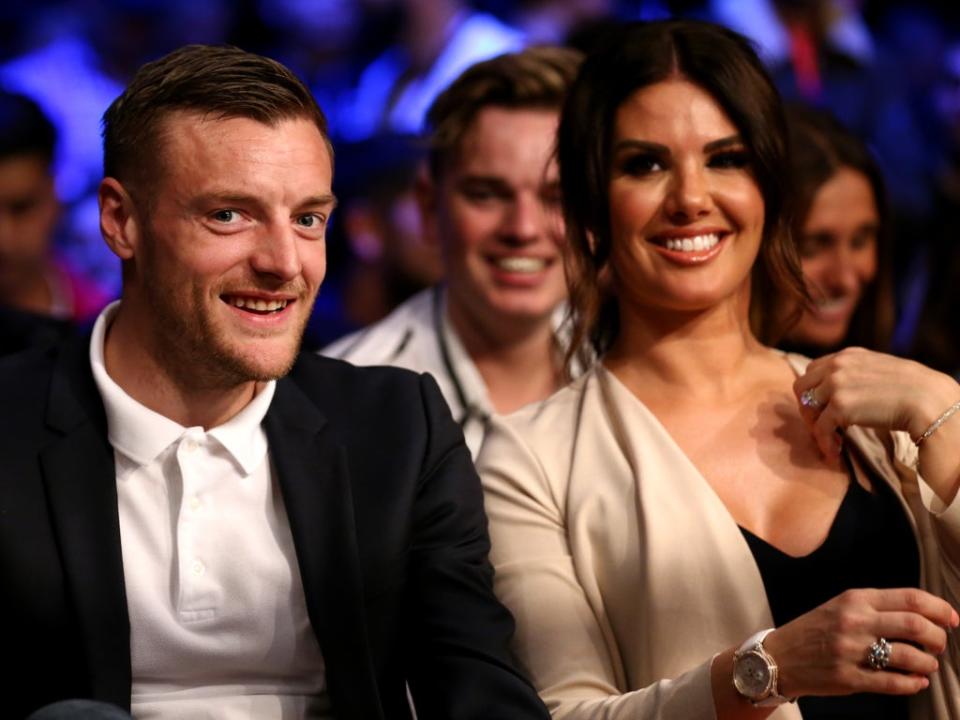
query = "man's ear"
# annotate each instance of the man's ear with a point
(119, 224)
(425, 191)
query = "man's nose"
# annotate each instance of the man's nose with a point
(524, 218)
(278, 253)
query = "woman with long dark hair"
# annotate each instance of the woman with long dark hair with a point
(703, 526)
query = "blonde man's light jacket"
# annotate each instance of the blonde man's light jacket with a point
(625, 572)
(419, 336)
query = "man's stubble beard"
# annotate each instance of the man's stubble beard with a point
(197, 354)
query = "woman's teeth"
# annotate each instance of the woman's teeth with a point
(692, 244)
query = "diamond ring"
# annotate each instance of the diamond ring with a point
(878, 656)
(809, 400)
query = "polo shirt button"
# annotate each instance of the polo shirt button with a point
(197, 568)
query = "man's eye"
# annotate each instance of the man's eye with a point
(226, 216)
(864, 237)
(23, 207)
(551, 197)
(311, 220)
(479, 194)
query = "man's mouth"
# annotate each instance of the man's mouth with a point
(259, 306)
(520, 264)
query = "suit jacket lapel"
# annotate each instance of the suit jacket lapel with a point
(315, 484)
(80, 480)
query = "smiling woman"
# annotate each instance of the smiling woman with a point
(843, 232)
(720, 530)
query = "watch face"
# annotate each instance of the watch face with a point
(752, 676)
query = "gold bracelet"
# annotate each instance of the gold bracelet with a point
(937, 423)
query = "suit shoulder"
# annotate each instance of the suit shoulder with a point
(333, 382)
(23, 372)
(25, 384)
(394, 409)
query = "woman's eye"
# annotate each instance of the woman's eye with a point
(641, 165)
(732, 160)
(812, 245)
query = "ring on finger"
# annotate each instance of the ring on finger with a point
(878, 654)
(809, 400)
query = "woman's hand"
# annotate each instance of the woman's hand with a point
(824, 652)
(861, 387)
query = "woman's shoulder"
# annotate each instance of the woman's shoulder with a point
(540, 432)
(560, 410)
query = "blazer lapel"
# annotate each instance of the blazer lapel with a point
(314, 481)
(80, 480)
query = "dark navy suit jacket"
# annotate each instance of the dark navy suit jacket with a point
(387, 519)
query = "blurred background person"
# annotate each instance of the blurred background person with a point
(381, 222)
(72, 58)
(490, 202)
(41, 294)
(435, 41)
(844, 235)
(377, 247)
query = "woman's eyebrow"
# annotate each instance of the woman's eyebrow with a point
(723, 143)
(645, 145)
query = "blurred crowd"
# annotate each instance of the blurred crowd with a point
(889, 72)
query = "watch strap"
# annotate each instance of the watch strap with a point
(755, 641)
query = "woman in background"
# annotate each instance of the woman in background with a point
(842, 229)
(702, 526)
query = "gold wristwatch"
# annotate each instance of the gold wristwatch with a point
(755, 673)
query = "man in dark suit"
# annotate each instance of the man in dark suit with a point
(197, 521)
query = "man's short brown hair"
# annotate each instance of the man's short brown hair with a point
(535, 78)
(219, 81)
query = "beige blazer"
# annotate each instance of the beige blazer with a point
(624, 570)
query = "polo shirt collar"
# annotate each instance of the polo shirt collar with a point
(142, 434)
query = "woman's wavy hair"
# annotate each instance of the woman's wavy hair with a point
(724, 64)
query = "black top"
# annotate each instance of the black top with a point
(870, 545)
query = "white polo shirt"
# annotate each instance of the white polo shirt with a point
(218, 619)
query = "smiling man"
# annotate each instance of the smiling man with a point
(197, 521)
(489, 334)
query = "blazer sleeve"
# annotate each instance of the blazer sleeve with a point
(563, 638)
(459, 633)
